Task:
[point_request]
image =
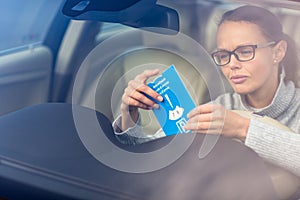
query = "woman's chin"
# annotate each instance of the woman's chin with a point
(241, 90)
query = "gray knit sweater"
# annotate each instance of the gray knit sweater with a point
(271, 143)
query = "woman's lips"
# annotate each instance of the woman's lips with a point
(238, 79)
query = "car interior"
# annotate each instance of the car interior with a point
(64, 65)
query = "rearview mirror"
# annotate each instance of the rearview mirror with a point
(135, 13)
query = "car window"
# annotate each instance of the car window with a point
(110, 29)
(25, 22)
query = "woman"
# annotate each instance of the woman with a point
(259, 62)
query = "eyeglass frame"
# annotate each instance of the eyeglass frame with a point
(233, 52)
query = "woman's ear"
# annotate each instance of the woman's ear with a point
(279, 51)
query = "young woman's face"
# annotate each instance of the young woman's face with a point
(256, 76)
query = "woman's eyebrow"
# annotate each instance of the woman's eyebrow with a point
(241, 45)
(218, 49)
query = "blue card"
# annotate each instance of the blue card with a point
(177, 103)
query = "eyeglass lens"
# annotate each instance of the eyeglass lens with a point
(243, 53)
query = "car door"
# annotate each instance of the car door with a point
(27, 53)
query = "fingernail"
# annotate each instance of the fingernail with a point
(160, 98)
(155, 106)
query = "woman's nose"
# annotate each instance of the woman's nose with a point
(234, 62)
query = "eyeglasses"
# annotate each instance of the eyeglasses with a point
(241, 53)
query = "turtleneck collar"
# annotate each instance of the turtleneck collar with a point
(283, 97)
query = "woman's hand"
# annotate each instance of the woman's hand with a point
(215, 119)
(134, 97)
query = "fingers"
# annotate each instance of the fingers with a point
(207, 118)
(204, 109)
(135, 88)
(143, 77)
(139, 84)
(216, 110)
(205, 127)
(138, 94)
(136, 98)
